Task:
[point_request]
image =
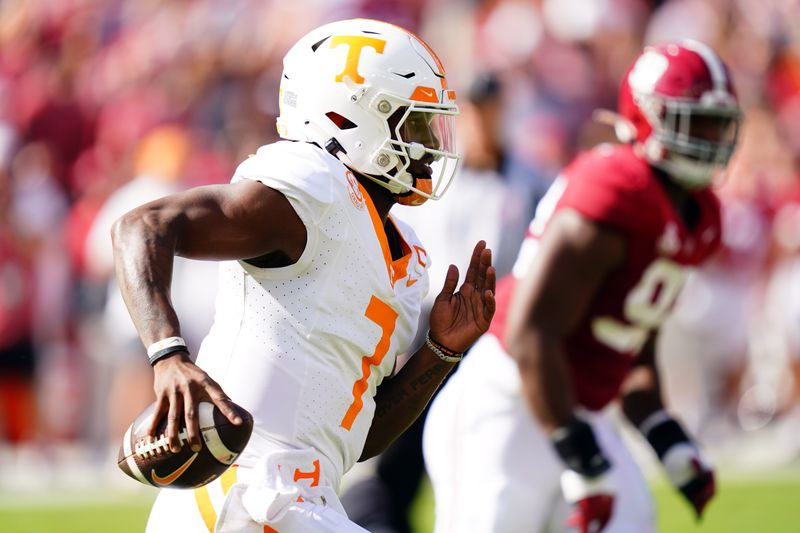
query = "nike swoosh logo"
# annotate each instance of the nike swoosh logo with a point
(428, 92)
(410, 282)
(168, 479)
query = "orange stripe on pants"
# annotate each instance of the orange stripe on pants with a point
(203, 498)
(207, 511)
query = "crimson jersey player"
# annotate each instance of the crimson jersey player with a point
(519, 439)
(614, 187)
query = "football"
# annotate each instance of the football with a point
(152, 463)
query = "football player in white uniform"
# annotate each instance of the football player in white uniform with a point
(319, 287)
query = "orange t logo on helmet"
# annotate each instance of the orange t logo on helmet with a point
(356, 43)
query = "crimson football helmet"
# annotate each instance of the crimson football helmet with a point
(375, 96)
(678, 102)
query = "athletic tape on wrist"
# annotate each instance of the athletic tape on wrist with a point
(653, 420)
(681, 462)
(663, 432)
(576, 487)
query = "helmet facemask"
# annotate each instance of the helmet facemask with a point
(691, 141)
(417, 161)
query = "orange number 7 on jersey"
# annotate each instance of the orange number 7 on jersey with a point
(385, 317)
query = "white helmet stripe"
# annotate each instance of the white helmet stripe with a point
(713, 63)
(132, 466)
(211, 436)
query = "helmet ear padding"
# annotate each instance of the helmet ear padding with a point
(624, 129)
(653, 149)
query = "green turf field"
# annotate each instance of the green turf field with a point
(74, 513)
(752, 506)
(768, 504)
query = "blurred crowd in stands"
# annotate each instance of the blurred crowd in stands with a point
(105, 104)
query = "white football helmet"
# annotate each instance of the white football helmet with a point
(375, 96)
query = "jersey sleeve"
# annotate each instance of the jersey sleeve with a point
(611, 189)
(297, 171)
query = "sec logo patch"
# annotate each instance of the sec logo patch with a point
(355, 191)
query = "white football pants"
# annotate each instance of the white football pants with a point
(494, 470)
(229, 503)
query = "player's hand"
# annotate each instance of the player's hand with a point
(591, 514)
(592, 500)
(691, 474)
(180, 386)
(458, 318)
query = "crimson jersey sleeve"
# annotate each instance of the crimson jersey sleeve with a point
(610, 185)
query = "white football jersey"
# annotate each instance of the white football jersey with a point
(304, 347)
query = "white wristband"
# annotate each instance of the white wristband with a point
(653, 420)
(576, 487)
(169, 342)
(679, 463)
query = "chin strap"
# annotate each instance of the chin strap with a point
(400, 190)
(333, 147)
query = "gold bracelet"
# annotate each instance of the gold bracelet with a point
(443, 353)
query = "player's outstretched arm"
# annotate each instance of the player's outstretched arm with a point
(239, 221)
(457, 319)
(574, 258)
(642, 403)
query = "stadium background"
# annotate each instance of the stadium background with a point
(107, 103)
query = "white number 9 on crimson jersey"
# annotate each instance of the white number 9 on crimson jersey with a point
(646, 307)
